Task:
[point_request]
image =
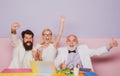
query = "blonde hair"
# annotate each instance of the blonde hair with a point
(42, 40)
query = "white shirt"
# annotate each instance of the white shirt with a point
(85, 54)
(20, 59)
(48, 53)
(26, 59)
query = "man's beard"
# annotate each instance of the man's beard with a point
(72, 48)
(28, 47)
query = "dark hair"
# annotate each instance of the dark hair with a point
(27, 32)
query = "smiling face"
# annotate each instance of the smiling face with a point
(27, 37)
(72, 41)
(47, 36)
(28, 42)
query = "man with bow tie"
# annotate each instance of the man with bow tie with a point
(74, 54)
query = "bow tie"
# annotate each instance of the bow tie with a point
(69, 51)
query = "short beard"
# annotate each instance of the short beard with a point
(71, 48)
(28, 48)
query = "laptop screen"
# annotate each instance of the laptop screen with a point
(43, 67)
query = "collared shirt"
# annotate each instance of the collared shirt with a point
(73, 59)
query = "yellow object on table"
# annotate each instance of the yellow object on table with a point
(58, 75)
(18, 74)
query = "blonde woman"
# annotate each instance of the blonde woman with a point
(46, 50)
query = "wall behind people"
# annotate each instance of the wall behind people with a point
(85, 18)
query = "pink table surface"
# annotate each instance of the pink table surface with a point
(21, 70)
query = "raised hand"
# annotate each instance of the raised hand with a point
(15, 26)
(62, 18)
(113, 43)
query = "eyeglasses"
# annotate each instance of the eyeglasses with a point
(47, 35)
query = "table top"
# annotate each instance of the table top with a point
(28, 72)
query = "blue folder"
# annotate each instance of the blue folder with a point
(89, 73)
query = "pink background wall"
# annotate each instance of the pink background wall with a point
(86, 18)
(105, 65)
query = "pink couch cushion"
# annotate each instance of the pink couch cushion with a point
(22, 70)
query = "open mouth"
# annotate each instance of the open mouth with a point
(71, 45)
(28, 43)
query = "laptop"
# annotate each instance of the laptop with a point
(43, 68)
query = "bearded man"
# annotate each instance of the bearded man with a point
(22, 48)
